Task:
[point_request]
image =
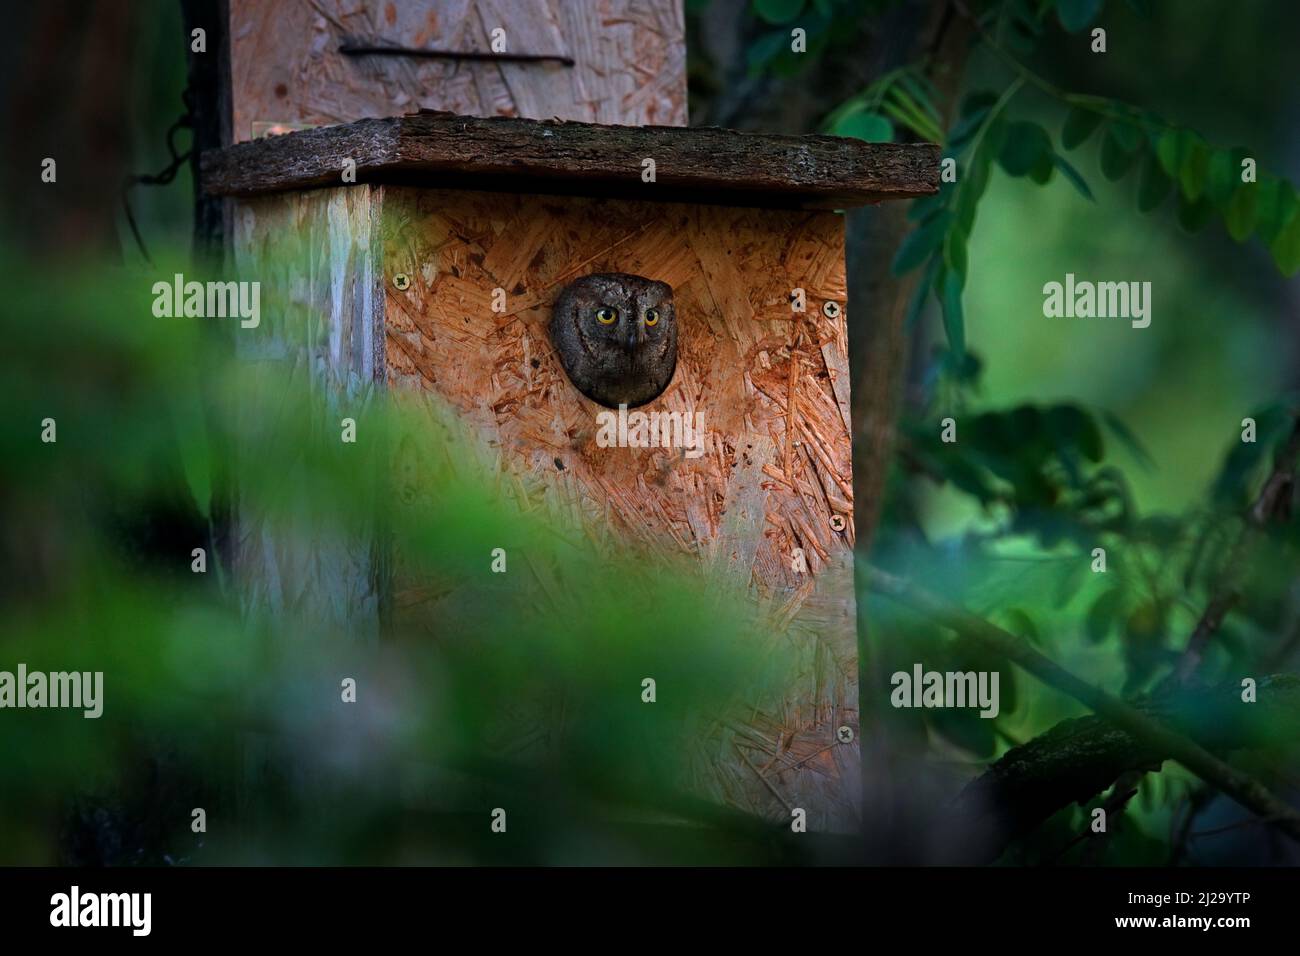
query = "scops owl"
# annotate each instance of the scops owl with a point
(616, 335)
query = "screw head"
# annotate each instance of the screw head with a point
(838, 523)
(844, 735)
(831, 309)
(402, 281)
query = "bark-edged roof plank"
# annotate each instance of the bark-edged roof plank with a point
(692, 164)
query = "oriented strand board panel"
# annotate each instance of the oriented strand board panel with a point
(771, 384)
(613, 61)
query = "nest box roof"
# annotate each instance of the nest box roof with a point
(692, 164)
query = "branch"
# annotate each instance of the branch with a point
(1150, 732)
(1095, 104)
(1078, 759)
(1274, 501)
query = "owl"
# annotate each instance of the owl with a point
(616, 335)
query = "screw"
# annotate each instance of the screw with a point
(838, 523)
(831, 309)
(402, 281)
(844, 735)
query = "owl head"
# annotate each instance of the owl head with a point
(616, 336)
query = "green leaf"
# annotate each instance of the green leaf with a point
(1195, 171)
(995, 137)
(1286, 247)
(1173, 149)
(1071, 427)
(1127, 136)
(1079, 124)
(970, 191)
(1021, 624)
(905, 111)
(1275, 204)
(1128, 439)
(954, 322)
(1167, 151)
(1115, 159)
(195, 450)
(1193, 214)
(1025, 29)
(1234, 482)
(1153, 186)
(1075, 15)
(1222, 176)
(974, 111)
(1043, 167)
(871, 127)
(1074, 176)
(921, 93)
(1024, 147)
(1089, 440)
(926, 207)
(778, 12)
(981, 101)
(964, 130)
(1070, 583)
(954, 253)
(1239, 217)
(1103, 614)
(920, 244)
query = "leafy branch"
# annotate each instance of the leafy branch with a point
(903, 96)
(1149, 730)
(1080, 758)
(1209, 179)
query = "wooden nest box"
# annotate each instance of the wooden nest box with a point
(436, 271)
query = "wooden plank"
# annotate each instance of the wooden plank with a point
(533, 86)
(289, 65)
(321, 334)
(716, 166)
(630, 59)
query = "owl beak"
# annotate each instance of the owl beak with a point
(631, 341)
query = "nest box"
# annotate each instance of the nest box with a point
(438, 244)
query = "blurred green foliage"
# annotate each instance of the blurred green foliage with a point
(1071, 437)
(1077, 435)
(512, 694)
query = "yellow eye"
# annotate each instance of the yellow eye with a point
(651, 316)
(606, 315)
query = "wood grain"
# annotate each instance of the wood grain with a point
(765, 379)
(286, 64)
(321, 334)
(707, 165)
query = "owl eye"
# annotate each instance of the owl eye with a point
(651, 316)
(606, 315)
